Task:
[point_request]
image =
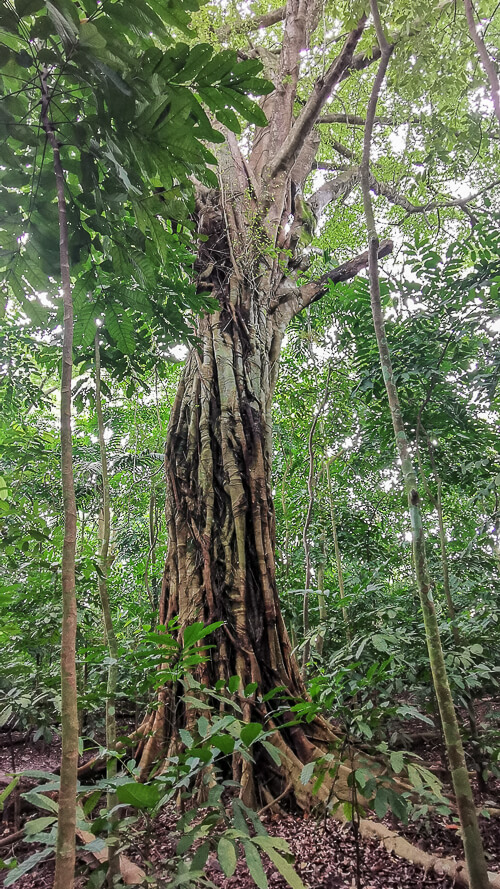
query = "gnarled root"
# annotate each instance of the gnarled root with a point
(398, 845)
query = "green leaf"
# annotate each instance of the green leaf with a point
(121, 330)
(228, 118)
(254, 863)
(200, 856)
(234, 684)
(379, 642)
(381, 803)
(186, 738)
(90, 36)
(399, 807)
(39, 824)
(28, 864)
(141, 796)
(6, 792)
(273, 752)
(397, 761)
(250, 732)
(224, 743)
(197, 631)
(40, 801)
(4, 492)
(286, 869)
(307, 772)
(85, 327)
(226, 853)
(474, 649)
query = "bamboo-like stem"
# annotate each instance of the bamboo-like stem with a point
(105, 537)
(474, 852)
(65, 849)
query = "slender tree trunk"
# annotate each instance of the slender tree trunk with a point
(475, 740)
(473, 846)
(65, 850)
(338, 557)
(323, 614)
(437, 502)
(305, 532)
(104, 554)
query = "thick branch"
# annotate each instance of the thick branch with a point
(332, 189)
(309, 114)
(483, 54)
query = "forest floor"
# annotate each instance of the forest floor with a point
(327, 855)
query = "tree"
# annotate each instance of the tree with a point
(473, 846)
(255, 225)
(83, 97)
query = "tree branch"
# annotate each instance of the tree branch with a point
(346, 181)
(253, 24)
(309, 114)
(355, 120)
(333, 189)
(294, 299)
(483, 54)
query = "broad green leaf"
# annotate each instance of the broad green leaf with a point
(40, 801)
(120, 328)
(286, 869)
(250, 732)
(224, 743)
(397, 761)
(28, 864)
(254, 863)
(226, 853)
(38, 824)
(141, 796)
(85, 324)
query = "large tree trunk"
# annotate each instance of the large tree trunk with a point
(220, 515)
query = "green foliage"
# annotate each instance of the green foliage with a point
(129, 114)
(197, 771)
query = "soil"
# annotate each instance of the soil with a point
(325, 851)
